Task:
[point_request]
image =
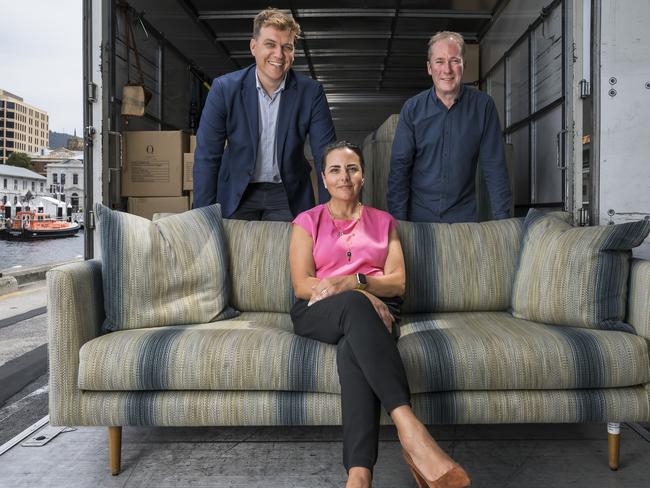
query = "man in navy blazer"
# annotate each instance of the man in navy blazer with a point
(249, 155)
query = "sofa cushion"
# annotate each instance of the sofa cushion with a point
(259, 260)
(496, 351)
(171, 271)
(575, 276)
(464, 351)
(459, 267)
(255, 351)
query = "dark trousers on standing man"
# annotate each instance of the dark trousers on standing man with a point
(264, 201)
(370, 368)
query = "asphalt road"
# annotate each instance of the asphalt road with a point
(23, 359)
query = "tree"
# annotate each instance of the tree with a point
(28, 197)
(21, 160)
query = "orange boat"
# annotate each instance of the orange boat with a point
(27, 225)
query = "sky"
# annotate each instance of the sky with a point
(41, 58)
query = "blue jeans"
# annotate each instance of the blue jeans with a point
(264, 201)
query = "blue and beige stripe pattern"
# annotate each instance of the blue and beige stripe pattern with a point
(259, 262)
(169, 272)
(575, 276)
(495, 351)
(254, 408)
(638, 304)
(255, 351)
(441, 352)
(459, 267)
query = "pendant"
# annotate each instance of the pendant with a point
(349, 255)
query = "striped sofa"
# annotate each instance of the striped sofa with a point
(468, 359)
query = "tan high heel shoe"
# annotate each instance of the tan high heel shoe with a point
(456, 477)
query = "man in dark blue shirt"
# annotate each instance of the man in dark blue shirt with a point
(441, 136)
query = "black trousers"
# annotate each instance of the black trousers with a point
(369, 365)
(264, 201)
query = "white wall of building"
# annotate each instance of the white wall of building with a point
(65, 181)
(13, 188)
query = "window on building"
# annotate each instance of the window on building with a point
(24, 184)
(33, 186)
(42, 186)
(15, 184)
(62, 179)
(55, 178)
(5, 184)
(75, 179)
(11, 105)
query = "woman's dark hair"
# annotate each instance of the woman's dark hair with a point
(333, 146)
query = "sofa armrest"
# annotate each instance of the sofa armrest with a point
(75, 313)
(638, 299)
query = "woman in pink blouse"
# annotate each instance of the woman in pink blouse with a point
(347, 269)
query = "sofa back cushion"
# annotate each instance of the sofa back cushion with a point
(169, 272)
(259, 264)
(575, 276)
(459, 267)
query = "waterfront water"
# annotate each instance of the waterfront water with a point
(34, 253)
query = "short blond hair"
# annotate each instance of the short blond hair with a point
(275, 18)
(452, 36)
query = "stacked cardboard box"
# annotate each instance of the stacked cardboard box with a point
(188, 166)
(152, 172)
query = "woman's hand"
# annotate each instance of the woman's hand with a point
(328, 287)
(382, 310)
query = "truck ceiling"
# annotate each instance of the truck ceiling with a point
(369, 56)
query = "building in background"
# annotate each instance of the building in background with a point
(23, 128)
(45, 157)
(20, 185)
(65, 182)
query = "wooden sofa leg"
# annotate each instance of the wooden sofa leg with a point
(613, 444)
(115, 449)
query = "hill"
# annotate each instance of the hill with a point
(59, 139)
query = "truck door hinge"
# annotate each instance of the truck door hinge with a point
(91, 220)
(89, 135)
(583, 217)
(92, 92)
(585, 88)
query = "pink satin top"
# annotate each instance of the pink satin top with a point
(345, 247)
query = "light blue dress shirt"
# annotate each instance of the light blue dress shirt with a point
(266, 165)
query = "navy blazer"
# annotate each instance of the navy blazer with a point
(231, 114)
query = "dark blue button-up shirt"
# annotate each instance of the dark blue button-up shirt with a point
(434, 158)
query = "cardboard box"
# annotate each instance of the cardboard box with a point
(192, 144)
(152, 163)
(147, 206)
(188, 165)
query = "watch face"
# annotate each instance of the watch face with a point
(361, 280)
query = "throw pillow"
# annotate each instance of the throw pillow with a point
(169, 272)
(575, 276)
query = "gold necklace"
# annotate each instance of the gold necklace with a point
(342, 232)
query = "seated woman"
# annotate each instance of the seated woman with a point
(347, 269)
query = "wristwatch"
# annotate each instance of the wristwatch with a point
(362, 283)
